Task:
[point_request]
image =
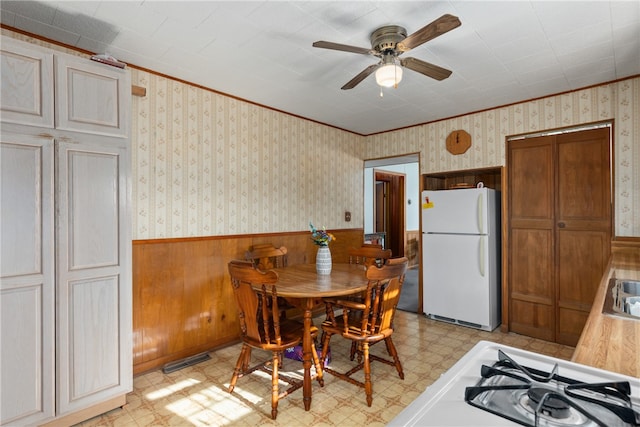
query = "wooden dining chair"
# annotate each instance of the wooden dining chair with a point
(372, 245)
(262, 328)
(368, 254)
(375, 324)
(266, 256)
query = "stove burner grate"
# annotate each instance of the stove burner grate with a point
(537, 398)
(547, 402)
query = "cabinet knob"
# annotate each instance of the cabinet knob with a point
(561, 224)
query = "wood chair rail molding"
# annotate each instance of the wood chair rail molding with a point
(183, 302)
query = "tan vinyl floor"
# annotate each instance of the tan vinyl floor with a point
(197, 395)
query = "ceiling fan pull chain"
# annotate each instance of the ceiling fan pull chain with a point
(395, 75)
(381, 94)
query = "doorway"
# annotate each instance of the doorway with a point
(389, 215)
(408, 166)
(379, 175)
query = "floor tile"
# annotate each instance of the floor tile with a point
(198, 396)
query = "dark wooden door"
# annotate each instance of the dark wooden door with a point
(559, 212)
(381, 207)
(583, 226)
(530, 169)
(393, 201)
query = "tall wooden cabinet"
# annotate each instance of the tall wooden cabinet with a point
(65, 254)
(559, 231)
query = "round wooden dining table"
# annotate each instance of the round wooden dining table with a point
(303, 287)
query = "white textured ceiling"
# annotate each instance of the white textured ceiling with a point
(260, 51)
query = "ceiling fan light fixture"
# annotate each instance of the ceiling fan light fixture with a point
(389, 75)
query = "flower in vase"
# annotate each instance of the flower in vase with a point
(321, 237)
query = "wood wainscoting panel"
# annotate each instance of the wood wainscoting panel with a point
(412, 248)
(183, 302)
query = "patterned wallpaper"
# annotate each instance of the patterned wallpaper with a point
(207, 164)
(619, 101)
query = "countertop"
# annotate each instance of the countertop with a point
(610, 342)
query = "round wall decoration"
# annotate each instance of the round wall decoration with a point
(458, 142)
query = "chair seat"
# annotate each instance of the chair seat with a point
(289, 336)
(355, 332)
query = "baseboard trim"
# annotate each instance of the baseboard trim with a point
(90, 412)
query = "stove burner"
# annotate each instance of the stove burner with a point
(536, 398)
(551, 405)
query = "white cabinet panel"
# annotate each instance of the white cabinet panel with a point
(27, 333)
(27, 78)
(21, 188)
(92, 194)
(94, 314)
(94, 336)
(91, 97)
(26, 389)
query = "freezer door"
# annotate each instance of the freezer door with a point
(457, 278)
(456, 211)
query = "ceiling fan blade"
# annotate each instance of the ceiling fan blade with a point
(426, 68)
(437, 28)
(360, 77)
(343, 47)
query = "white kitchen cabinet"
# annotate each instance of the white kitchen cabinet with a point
(65, 272)
(26, 73)
(93, 274)
(27, 298)
(79, 84)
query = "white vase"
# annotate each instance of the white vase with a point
(323, 260)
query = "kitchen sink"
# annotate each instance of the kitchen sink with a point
(623, 298)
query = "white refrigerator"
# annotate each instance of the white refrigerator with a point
(461, 256)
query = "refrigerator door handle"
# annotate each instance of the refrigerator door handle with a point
(480, 217)
(481, 255)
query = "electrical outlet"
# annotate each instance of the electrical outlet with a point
(347, 216)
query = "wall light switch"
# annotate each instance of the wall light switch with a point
(347, 216)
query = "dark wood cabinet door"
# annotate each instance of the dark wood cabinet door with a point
(531, 178)
(583, 226)
(559, 223)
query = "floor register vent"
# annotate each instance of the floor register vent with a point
(183, 363)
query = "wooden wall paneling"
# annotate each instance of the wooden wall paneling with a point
(296, 247)
(201, 292)
(412, 250)
(340, 248)
(156, 275)
(490, 177)
(433, 183)
(183, 303)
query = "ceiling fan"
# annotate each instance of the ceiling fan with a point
(391, 41)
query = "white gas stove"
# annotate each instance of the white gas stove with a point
(497, 385)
